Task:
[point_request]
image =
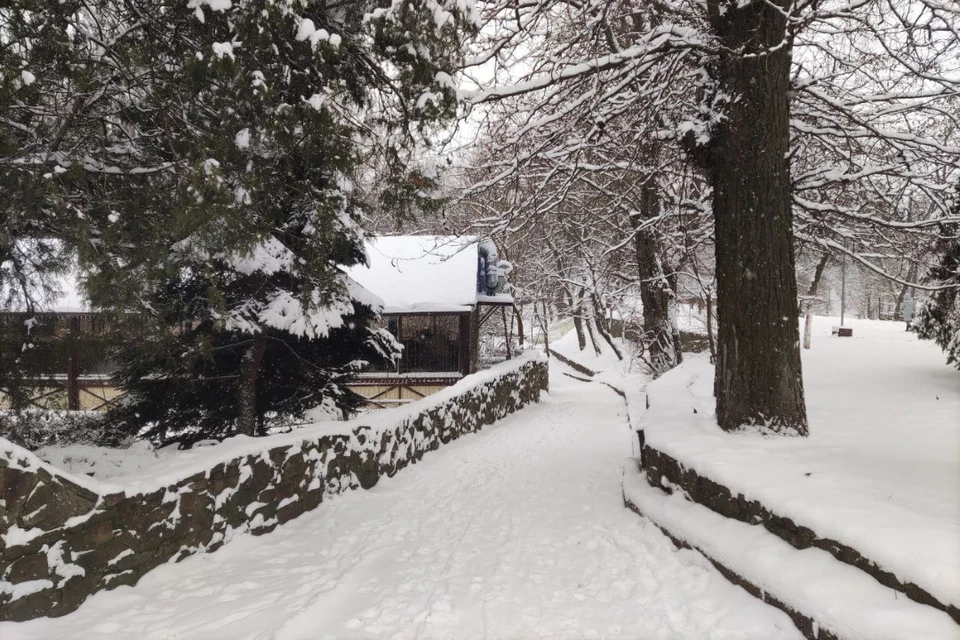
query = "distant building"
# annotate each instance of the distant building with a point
(437, 292)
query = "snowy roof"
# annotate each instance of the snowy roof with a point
(422, 273)
(410, 273)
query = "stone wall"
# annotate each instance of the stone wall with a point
(663, 469)
(807, 626)
(61, 542)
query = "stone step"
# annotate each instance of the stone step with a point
(705, 491)
(826, 598)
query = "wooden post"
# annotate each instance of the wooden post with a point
(73, 363)
(519, 314)
(399, 336)
(475, 339)
(465, 344)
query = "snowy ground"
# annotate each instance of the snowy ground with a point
(880, 470)
(516, 532)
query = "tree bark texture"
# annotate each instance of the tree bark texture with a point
(602, 327)
(518, 313)
(758, 374)
(577, 320)
(593, 338)
(661, 336)
(710, 331)
(247, 385)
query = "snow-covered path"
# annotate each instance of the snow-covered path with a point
(516, 532)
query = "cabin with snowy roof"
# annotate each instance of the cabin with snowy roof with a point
(437, 292)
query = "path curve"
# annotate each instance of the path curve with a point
(516, 532)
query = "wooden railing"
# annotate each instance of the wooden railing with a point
(57, 360)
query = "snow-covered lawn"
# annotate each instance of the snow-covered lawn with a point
(516, 532)
(881, 469)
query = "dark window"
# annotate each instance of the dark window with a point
(56, 338)
(431, 343)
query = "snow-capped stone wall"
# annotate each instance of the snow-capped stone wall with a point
(745, 479)
(63, 538)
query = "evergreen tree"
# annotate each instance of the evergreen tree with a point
(199, 159)
(36, 58)
(182, 374)
(264, 112)
(938, 319)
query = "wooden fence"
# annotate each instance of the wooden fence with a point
(57, 360)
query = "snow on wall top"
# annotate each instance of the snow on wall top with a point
(152, 474)
(421, 273)
(877, 472)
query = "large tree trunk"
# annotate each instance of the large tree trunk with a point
(602, 328)
(247, 386)
(593, 338)
(577, 320)
(661, 338)
(758, 375)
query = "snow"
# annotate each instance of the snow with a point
(690, 318)
(224, 49)
(147, 470)
(268, 256)
(24, 589)
(105, 462)
(307, 30)
(604, 362)
(879, 470)
(518, 532)
(215, 5)
(316, 101)
(422, 273)
(16, 537)
(60, 566)
(242, 139)
(842, 598)
(625, 376)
